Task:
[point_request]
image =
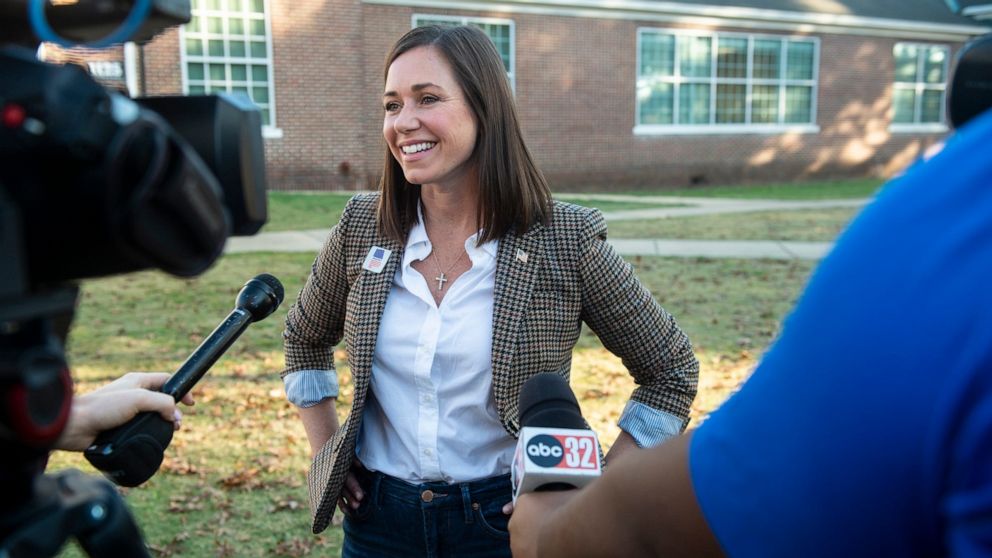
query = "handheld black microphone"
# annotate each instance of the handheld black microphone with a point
(556, 450)
(131, 453)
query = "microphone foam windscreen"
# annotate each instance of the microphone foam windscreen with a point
(547, 401)
(271, 281)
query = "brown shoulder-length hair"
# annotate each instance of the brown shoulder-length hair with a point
(513, 192)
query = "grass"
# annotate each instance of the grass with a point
(321, 210)
(820, 190)
(290, 211)
(233, 483)
(811, 225)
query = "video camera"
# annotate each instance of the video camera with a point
(93, 183)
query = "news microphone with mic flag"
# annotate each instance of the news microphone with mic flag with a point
(556, 449)
(131, 453)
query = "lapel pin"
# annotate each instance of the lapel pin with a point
(521, 256)
(376, 259)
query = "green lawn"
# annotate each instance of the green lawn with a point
(812, 225)
(295, 211)
(233, 483)
(822, 190)
(321, 210)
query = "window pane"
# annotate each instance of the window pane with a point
(933, 100)
(903, 106)
(194, 47)
(239, 72)
(906, 56)
(657, 106)
(195, 25)
(237, 48)
(799, 60)
(214, 5)
(239, 90)
(764, 104)
(933, 65)
(215, 47)
(236, 5)
(215, 25)
(695, 56)
(218, 86)
(259, 73)
(257, 6)
(195, 71)
(499, 34)
(197, 90)
(258, 49)
(256, 27)
(694, 103)
(731, 59)
(767, 55)
(236, 26)
(798, 104)
(730, 103)
(217, 71)
(260, 94)
(266, 118)
(424, 21)
(657, 55)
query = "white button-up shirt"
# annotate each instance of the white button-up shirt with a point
(432, 415)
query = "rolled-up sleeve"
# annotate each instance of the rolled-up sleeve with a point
(306, 388)
(649, 427)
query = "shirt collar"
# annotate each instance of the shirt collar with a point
(418, 245)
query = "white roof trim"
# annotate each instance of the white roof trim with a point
(712, 15)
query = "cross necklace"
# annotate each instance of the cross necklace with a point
(441, 279)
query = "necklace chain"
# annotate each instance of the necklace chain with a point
(441, 279)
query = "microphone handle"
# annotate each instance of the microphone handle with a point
(183, 380)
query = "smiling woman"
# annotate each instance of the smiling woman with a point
(451, 287)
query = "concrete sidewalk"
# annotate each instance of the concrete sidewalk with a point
(312, 240)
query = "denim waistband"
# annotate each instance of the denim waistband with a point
(439, 495)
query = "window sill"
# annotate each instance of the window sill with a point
(918, 128)
(724, 129)
(271, 132)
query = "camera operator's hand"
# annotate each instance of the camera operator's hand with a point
(116, 403)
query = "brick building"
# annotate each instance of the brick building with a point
(618, 92)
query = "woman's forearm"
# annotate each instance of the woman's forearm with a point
(320, 423)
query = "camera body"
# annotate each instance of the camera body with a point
(93, 183)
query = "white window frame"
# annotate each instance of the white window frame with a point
(468, 20)
(268, 130)
(917, 127)
(748, 81)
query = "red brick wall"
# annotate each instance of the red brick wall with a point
(575, 91)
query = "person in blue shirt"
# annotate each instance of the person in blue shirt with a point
(866, 429)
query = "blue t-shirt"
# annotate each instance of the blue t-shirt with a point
(867, 428)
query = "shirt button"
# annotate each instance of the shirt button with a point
(427, 452)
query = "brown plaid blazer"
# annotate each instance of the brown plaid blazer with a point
(548, 281)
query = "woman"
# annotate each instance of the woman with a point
(451, 287)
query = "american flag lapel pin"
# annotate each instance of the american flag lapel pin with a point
(376, 259)
(521, 256)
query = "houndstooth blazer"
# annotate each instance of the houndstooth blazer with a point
(548, 281)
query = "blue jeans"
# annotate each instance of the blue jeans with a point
(433, 520)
